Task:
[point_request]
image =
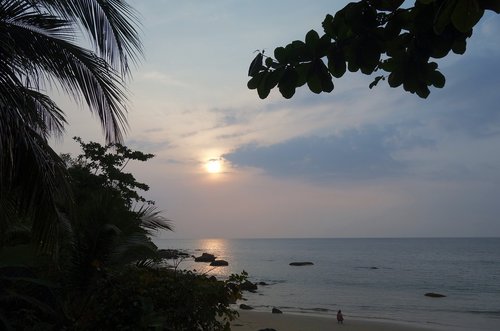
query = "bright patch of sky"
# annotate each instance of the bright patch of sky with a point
(353, 163)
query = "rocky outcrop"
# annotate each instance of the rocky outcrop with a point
(434, 295)
(171, 254)
(245, 307)
(219, 263)
(248, 286)
(205, 257)
(299, 264)
(276, 311)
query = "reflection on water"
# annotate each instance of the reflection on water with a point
(218, 247)
(221, 248)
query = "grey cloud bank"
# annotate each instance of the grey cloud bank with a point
(356, 154)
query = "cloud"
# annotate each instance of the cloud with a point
(233, 136)
(366, 153)
(469, 102)
(161, 78)
(153, 130)
(148, 146)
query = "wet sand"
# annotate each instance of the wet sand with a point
(255, 321)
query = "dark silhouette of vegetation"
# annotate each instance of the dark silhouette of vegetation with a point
(38, 50)
(139, 298)
(372, 36)
(105, 273)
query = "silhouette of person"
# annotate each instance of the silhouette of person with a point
(340, 317)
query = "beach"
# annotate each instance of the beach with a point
(255, 321)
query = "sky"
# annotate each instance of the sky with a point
(352, 163)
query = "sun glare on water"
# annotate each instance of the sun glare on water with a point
(214, 166)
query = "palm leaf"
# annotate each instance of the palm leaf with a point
(51, 59)
(31, 175)
(110, 24)
(152, 220)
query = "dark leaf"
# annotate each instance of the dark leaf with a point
(312, 39)
(280, 55)
(466, 14)
(375, 81)
(254, 82)
(423, 91)
(387, 5)
(256, 65)
(438, 79)
(269, 62)
(395, 79)
(288, 83)
(443, 16)
(263, 90)
(493, 5)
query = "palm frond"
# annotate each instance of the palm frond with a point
(110, 24)
(80, 72)
(132, 248)
(34, 109)
(152, 220)
(32, 176)
(39, 50)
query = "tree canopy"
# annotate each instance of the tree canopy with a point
(373, 36)
(40, 48)
(109, 274)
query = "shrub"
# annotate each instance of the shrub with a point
(161, 299)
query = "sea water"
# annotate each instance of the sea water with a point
(383, 279)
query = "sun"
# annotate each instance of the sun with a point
(214, 166)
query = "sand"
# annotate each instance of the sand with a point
(254, 321)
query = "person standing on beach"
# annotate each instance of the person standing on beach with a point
(340, 317)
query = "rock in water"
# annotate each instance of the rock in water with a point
(205, 257)
(434, 295)
(277, 311)
(245, 307)
(299, 264)
(219, 263)
(248, 286)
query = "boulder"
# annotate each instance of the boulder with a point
(219, 263)
(298, 264)
(276, 311)
(171, 254)
(205, 257)
(248, 286)
(245, 307)
(434, 295)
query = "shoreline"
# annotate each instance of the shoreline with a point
(257, 320)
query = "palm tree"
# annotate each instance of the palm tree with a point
(39, 50)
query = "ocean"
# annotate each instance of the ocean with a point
(383, 279)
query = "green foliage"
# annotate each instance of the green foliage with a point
(106, 276)
(372, 35)
(101, 167)
(107, 231)
(131, 298)
(38, 50)
(141, 298)
(28, 301)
